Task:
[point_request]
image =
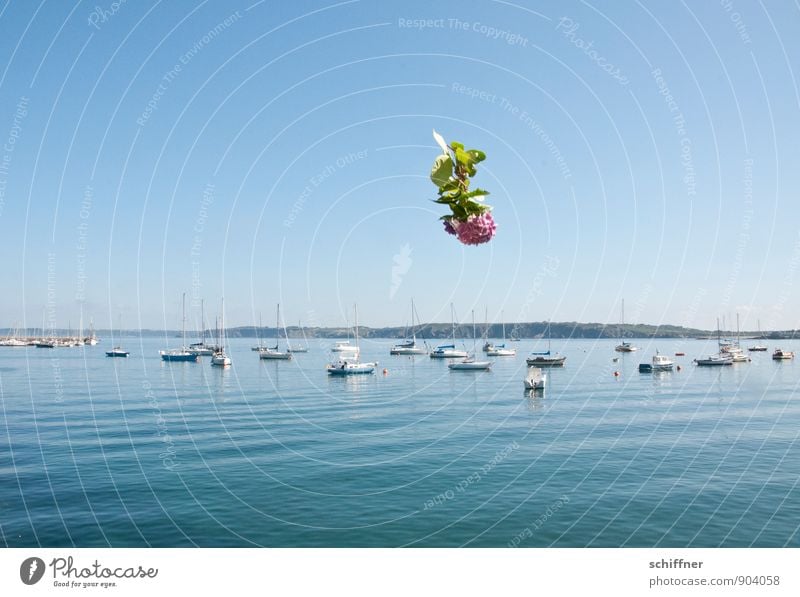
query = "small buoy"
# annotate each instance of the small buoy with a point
(616, 373)
(679, 367)
(386, 372)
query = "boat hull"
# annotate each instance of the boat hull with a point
(406, 351)
(187, 357)
(271, 355)
(546, 362)
(471, 366)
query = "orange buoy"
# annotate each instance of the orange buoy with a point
(386, 372)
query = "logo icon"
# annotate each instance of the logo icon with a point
(31, 571)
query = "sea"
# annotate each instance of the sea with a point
(136, 452)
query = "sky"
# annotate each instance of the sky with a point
(278, 152)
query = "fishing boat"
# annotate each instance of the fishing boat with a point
(782, 355)
(660, 362)
(117, 351)
(348, 363)
(546, 358)
(409, 347)
(470, 363)
(275, 353)
(500, 350)
(623, 346)
(535, 379)
(220, 358)
(720, 359)
(178, 355)
(449, 351)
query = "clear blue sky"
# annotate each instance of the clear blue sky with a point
(279, 151)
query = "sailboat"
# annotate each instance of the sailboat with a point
(449, 351)
(201, 348)
(623, 346)
(758, 347)
(180, 354)
(303, 348)
(349, 364)
(260, 345)
(275, 353)
(546, 359)
(118, 351)
(219, 358)
(92, 339)
(719, 359)
(734, 349)
(500, 350)
(470, 363)
(409, 347)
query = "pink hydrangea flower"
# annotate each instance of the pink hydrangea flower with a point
(475, 230)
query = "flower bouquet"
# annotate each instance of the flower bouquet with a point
(470, 220)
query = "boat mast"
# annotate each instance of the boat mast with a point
(502, 316)
(355, 313)
(453, 322)
(183, 320)
(413, 332)
(202, 323)
(222, 326)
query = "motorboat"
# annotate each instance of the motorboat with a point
(117, 351)
(535, 379)
(660, 362)
(782, 355)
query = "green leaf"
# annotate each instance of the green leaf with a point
(477, 155)
(456, 145)
(442, 170)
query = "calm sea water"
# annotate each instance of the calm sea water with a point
(135, 452)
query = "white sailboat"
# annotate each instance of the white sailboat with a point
(303, 348)
(409, 347)
(470, 363)
(449, 351)
(201, 348)
(719, 359)
(500, 350)
(275, 353)
(623, 346)
(220, 358)
(349, 363)
(181, 354)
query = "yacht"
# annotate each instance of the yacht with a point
(180, 354)
(409, 347)
(449, 351)
(348, 363)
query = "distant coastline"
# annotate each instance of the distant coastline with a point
(436, 331)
